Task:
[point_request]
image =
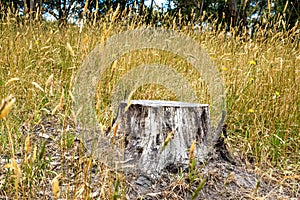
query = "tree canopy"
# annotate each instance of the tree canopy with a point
(229, 13)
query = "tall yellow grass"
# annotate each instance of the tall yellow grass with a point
(261, 76)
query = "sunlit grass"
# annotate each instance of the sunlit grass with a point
(38, 63)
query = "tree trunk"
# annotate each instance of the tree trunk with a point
(31, 9)
(145, 127)
(149, 18)
(141, 7)
(201, 7)
(244, 13)
(233, 12)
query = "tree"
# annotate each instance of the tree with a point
(6, 5)
(233, 12)
(61, 10)
(31, 7)
(240, 13)
(229, 13)
(290, 10)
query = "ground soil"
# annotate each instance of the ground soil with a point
(221, 178)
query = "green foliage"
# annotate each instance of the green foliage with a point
(199, 188)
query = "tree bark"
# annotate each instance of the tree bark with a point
(145, 127)
(141, 7)
(233, 12)
(31, 6)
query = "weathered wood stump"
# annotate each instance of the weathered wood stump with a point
(146, 124)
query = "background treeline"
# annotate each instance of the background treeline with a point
(244, 14)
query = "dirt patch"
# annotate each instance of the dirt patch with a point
(218, 178)
(222, 180)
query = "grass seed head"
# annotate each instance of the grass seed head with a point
(11, 80)
(167, 140)
(27, 144)
(6, 106)
(49, 84)
(55, 187)
(192, 149)
(70, 49)
(37, 86)
(14, 166)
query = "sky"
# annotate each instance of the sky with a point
(158, 2)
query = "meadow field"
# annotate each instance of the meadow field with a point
(39, 157)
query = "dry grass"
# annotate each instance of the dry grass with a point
(38, 62)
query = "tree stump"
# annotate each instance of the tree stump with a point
(145, 126)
